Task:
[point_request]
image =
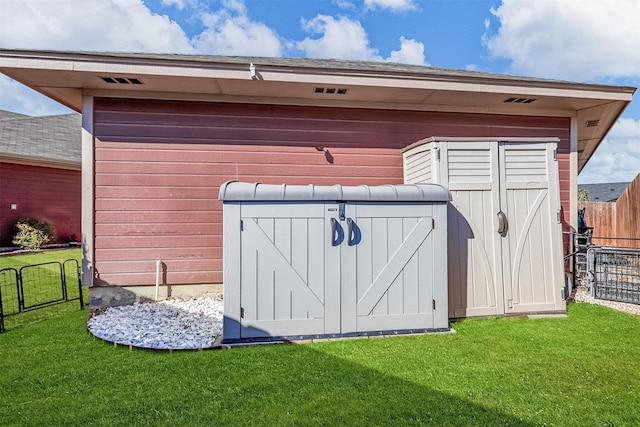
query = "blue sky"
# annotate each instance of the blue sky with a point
(590, 41)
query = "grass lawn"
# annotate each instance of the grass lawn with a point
(41, 283)
(583, 370)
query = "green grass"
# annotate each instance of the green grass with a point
(580, 371)
(42, 284)
(17, 261)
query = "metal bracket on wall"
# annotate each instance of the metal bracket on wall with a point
(341, 211)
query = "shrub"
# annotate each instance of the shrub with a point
(33, 233)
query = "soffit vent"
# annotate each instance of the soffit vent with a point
(519, 100)
(122, 80)
(592, 123)
(330, 90)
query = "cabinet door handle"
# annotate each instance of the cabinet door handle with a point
(503, 224)
(337, 234)
(350, 236)
(353, 233)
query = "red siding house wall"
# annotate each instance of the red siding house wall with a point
(40, 174)
(159, 165)
(42, 192)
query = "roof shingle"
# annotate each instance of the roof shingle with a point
(48, 138)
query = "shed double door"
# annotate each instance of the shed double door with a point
(339, 268)
(504, 226)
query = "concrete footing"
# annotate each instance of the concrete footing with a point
(113, 296)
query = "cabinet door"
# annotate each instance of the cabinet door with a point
(283, 279)
(388, 268)
(532, 244)
(470, 171)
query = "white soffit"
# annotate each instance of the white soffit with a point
(66, 76)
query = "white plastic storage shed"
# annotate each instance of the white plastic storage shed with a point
(330, 261)
(505, 234)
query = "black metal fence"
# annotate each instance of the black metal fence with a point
(577, 256)
(40, 285)
(614, 273)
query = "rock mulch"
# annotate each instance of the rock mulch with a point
(583, 295)
(192, 324)
(173, 324)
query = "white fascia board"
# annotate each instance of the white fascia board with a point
(426, 84)
(318, 77)
(35, 63)
(136, 70)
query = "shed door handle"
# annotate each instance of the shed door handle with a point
(337, 235)
(350, 236)
(503, 224)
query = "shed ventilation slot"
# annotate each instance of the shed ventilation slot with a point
(592, 123)
(330, 90)
(122, 80)
(519, 100)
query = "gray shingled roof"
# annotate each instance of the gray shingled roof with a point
(55, 139)
(606, 192)
(10, 115)
(328, 65)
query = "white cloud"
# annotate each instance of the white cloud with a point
(394, 5)
(343, 38)
(411, 52)
(21, 99)
(180, 4)
(575, 40)
(230, 31)
(96, 25)
(345, 4)
(617, 159)
(340, 38)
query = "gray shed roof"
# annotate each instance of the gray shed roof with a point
(48, 139)
(254, 192)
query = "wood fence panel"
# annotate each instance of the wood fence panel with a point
(602, 217)
(618, 220)
(627, 211)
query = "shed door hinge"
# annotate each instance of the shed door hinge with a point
(242, 312)
(241, 225)
(555, 154)
(433, 304)
(433, 223)
(437, 150)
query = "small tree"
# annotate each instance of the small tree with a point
(583, 195)
(33, 233)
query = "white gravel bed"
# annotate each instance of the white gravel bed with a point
(173, 324)
(583, 295)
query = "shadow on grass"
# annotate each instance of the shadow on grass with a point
(311, 387)
(86, 381)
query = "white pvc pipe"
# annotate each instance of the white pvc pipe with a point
(158, 265)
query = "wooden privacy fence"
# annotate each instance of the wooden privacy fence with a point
(616, 223)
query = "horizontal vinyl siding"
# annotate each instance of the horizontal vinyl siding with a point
(41, 192)
(159, 166)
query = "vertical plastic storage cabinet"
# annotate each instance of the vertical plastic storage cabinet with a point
(329, 261)
(505, 234)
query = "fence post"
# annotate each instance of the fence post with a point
(1, 313)
(591, 268)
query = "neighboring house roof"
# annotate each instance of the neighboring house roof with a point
(9, 115)
(69, 76)
(53, 141)
(607, 192)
